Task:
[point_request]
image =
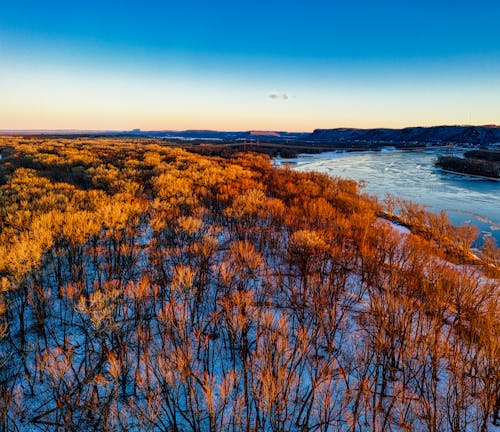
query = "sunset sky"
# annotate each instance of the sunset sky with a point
(239, 65)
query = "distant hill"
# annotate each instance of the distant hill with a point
(436, 134)
(478, 135)
(228, 136)
(183, 135)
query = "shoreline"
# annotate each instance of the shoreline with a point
(468, 175)
(339, 153)
(330, 159)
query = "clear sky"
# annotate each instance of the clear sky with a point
(240, 65)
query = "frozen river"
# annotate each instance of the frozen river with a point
(412, 175)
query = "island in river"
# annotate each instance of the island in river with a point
(484, 163)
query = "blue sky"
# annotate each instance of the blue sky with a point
(215, 64)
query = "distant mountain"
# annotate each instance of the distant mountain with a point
(436, 134)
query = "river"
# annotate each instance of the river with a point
(412, 175)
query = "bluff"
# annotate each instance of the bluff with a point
(481, 135)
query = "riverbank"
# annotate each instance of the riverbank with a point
(413, 176)
(453, 252)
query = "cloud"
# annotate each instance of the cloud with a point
(277, 95)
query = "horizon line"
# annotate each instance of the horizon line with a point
(43, 131)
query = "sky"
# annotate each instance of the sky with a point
(241, 65)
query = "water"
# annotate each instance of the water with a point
(412, 175)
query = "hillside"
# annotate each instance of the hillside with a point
(436, 134)
(146, 288)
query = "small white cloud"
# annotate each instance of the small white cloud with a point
(278, 95)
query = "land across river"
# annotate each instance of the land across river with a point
(295, 148)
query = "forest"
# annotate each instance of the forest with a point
(147, 288)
